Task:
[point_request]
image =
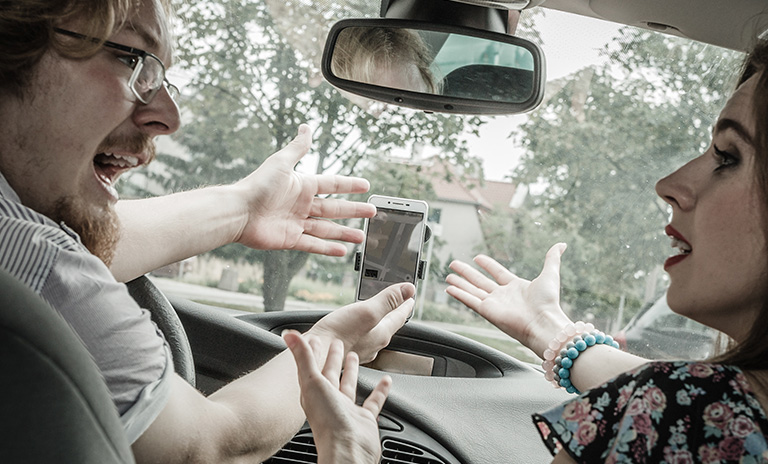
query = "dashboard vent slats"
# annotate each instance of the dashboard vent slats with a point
(300, 450)
(396, 452)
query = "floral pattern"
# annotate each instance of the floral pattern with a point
(663, 412)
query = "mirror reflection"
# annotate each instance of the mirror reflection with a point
(438, 63)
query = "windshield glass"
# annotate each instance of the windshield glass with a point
(623, 107)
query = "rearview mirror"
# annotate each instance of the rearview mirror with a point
(434, 67)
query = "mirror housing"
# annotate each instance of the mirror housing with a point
(434, 67)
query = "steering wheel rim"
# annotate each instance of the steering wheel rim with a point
(149, 297)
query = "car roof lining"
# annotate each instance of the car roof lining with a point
(736, 25)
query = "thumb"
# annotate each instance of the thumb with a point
(298, 147)
(552, 260)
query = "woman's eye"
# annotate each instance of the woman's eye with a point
(724, 159)
(129, 60)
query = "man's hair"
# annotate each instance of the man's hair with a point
(752, 353)
(27, 32)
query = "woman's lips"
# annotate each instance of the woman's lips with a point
(680, 243)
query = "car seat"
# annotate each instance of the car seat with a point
(54, 403)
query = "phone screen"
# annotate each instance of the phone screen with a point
(392, 246)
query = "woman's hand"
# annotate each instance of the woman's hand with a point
(528, 311)
(343, 432)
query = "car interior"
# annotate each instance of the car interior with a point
(455, 398)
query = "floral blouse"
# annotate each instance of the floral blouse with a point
(662, 412)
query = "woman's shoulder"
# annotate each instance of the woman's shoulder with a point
(690, 372)
(685, 384)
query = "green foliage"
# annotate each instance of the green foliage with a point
(596, 147)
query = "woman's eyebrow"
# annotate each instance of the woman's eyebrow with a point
(726, 124)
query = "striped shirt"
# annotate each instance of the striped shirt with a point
(126, 345)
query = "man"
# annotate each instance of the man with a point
(76, 113)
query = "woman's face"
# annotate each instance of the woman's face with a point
(718, 276)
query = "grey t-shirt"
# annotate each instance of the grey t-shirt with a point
(126, 345)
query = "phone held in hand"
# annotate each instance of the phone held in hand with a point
(393, 244)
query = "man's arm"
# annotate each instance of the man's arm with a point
(274, 208)
(252, 417)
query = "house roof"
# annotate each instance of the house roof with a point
(487, 194)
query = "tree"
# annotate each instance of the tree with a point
(254, 80)
(598, 145)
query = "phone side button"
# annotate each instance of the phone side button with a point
(422, 268)
(358, 259)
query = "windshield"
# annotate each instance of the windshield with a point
(623, 107)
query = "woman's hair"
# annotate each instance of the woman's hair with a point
(27, 32)
(361, 53)
(752, 353)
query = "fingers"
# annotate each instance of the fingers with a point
(464, 297)
(375, 401)
(473, 276)
(499, 273)
(332, 368)
(395, 297)
(335, 208)
(466, 287)
(302, 354)
(333, 183)
(349, 379)
(328, 230)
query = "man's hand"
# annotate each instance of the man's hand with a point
(344, 432)
(366, 327)
(528, 311)
(284, 210)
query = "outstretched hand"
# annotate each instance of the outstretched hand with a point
(343, 432)
(366, 327)
(528, 311)
(285, 212)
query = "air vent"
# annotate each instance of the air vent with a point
(396, 452)
(301, 449)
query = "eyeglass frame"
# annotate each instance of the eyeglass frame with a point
(173, 91)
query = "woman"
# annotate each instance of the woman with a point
(671, 411)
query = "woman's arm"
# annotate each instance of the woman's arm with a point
(530, 312)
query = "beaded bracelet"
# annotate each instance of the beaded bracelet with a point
(560, 353)
(564, 361)
(558, 342)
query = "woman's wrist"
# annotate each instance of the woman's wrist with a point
(543, 330)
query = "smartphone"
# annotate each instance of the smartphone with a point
(393, 243)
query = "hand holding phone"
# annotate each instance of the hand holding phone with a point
(393, 244)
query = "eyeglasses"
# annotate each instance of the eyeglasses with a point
(148, 71)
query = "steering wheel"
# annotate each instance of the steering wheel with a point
(149, 297)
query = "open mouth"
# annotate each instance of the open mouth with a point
(680, 244)
(683, 248)
(109, 166)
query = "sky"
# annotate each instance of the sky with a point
(570, 42)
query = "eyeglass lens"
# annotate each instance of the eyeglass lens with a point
(150, 79)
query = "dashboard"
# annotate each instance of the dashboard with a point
(453, 400)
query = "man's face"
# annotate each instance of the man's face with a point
(79, 127)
